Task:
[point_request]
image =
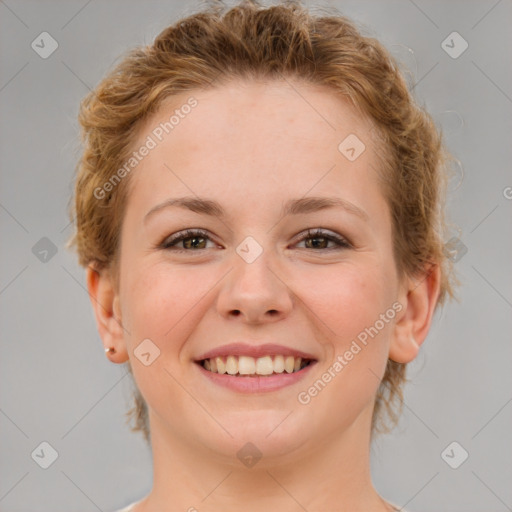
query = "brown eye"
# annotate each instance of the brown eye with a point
(192, 240)
(319, 239)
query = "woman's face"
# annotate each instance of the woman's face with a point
(261, 153)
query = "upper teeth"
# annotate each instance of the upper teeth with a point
(245, 365)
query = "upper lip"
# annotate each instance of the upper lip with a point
(243, 349)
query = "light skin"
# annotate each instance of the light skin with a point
(252, 147)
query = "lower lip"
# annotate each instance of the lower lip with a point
(256, 384)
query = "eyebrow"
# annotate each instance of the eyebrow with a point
(303, 205)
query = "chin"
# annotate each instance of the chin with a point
(261, 435)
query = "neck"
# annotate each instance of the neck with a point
(331, 474)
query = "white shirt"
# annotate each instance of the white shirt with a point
(129, 508)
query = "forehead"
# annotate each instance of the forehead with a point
(255, 137)
(307, 112)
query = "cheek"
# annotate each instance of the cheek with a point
(350, 303)
(166, 303)
(157, 297)
(163, 305)
(348, 298)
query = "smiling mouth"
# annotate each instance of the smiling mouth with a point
(245, 366)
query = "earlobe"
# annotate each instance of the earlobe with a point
(105, 304)
(403, 349)
(419, 299)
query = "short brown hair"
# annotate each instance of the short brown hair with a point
(250, 41)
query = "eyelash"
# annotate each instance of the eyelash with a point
(169, 243)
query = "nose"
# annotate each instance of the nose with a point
(255, 292)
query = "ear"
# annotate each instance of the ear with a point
(419, 297)
(105, 304)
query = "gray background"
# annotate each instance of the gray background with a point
(57, 385)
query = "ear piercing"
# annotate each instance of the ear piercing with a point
(110, 349)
